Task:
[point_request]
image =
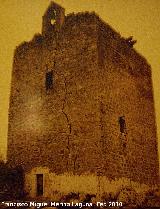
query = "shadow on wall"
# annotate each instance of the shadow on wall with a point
(11, 182)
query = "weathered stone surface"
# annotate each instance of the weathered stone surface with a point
(73, 127)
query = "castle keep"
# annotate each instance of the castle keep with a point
(81, 116)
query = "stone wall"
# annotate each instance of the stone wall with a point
(126, 89)
(49, 124)
(55, 186)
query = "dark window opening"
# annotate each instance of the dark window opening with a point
(39, 184)
(122, 124)
(49, 80)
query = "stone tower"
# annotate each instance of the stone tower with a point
(81, 107)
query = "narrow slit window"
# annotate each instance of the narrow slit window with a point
(122, 124)
(49, 80)
(39, 184)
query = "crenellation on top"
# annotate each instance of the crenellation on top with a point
(112, 41)
(68, 26)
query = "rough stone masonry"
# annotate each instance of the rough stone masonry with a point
(81, 115)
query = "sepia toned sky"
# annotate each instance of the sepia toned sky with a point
(21, 19)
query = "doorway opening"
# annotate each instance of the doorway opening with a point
(39, 178)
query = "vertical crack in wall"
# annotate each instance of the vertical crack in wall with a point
(64, 104)
(102, 137)
(102, 112)
(68, 122)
